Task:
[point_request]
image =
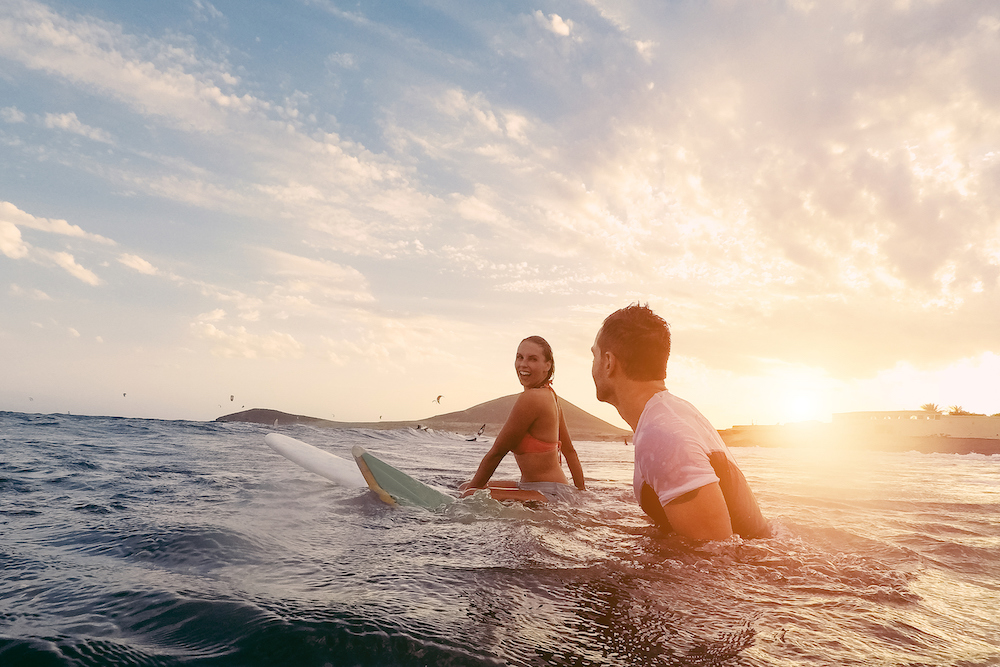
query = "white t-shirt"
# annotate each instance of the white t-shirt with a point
(673, 441)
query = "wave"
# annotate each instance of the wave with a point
(181, 543)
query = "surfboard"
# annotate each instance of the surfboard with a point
(394, 486)
(336, 469)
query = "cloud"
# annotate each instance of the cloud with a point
(14, 247)
(316, 278)
(342, 60)
(237, 342)
(392, 344)
(36, 294)
(66, 261)
(216, 315)
(645, 49)
(70, 123)
(292, 171)
(12, 215)
(11, 243)
(205, 10)
(858, 171)
(12, 115)
(137, 263)
(814, 182)
(554, 23)
(483, 206)
(99, 56)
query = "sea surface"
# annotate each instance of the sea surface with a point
(147, 542)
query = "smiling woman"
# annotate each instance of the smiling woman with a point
(535, 431)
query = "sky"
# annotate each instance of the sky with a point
(348, 209)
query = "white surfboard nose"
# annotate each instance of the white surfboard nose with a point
(337, 470)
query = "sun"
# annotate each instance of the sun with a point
(800, 407)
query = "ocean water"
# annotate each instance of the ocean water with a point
(145, 542)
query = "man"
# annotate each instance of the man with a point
(685, 478)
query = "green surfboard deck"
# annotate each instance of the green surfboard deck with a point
(395, 486)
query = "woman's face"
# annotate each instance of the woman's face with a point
(530, 364)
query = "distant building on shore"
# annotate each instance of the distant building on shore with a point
(918, 423)
(897, 430)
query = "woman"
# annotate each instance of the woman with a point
(536, 432)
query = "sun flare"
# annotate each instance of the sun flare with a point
(800, 408)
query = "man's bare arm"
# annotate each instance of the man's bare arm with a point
(701, 514)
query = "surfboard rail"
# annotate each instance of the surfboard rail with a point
(394, 486)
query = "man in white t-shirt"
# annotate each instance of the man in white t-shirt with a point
(685, 478)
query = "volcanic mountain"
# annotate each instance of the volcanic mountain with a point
(582, 425)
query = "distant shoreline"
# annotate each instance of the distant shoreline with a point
(828, 437)
(583, 426)
(489, 417)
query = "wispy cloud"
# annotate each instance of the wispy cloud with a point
(147, 74)
(70, 123)
(207, 11)
(314, 278)
(66, 261)
(12, 115)
(31, 293)
(344, 60)
(12, 215)
(15, 247)
(137, 263)
(237, 342)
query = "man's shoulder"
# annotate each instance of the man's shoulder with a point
(665, 397)
(669, 417)
(666, 407)
(659, 419)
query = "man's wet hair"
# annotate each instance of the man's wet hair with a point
(639, 339)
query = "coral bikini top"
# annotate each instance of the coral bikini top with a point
(531, 445)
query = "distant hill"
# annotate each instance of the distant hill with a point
(581, 424)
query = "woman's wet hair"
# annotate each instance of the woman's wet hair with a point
(547, 351)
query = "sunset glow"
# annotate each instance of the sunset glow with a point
(349, 209)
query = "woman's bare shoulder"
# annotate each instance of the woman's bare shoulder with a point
(535, 398)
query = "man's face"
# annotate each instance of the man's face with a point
(599, 372)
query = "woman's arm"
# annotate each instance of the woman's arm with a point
(486, 468)
(521, 417)
(569, 451)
